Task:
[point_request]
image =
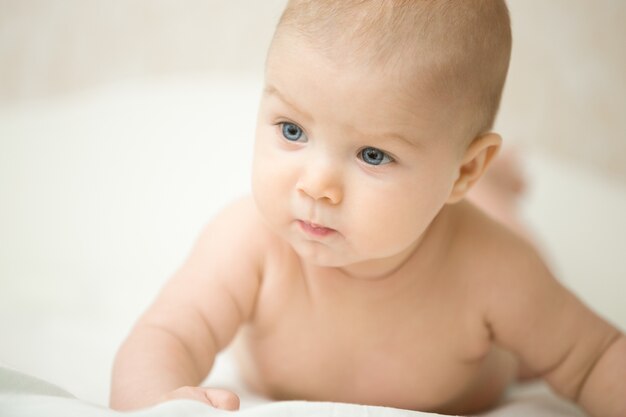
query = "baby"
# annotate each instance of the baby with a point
(357, 271)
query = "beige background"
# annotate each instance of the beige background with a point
(566, 91)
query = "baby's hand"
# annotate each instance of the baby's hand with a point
(218, 398)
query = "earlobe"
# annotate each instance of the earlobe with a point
(476, 159)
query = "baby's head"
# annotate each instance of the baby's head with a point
(382, 108)
(453, 53)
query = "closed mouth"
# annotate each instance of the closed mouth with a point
(315, 229)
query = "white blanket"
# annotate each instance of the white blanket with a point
(25, 396)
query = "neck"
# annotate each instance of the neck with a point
(380, 269)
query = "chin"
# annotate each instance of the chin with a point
(319, 255)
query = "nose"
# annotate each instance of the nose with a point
(321, 181)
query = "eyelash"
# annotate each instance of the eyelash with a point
(385, 156)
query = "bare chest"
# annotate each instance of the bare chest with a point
(405, 346)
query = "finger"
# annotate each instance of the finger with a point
(222, 399)
(189, 393)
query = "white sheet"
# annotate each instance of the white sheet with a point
(22, 395)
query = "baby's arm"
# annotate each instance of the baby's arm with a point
(578, 353)
(172, 347)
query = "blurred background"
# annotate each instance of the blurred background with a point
(124, 125)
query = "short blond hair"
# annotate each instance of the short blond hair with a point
(460, 48)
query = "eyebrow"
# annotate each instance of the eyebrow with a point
(271, 90)
(392, 136)
(389, 135)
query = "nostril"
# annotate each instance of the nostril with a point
(321, 184)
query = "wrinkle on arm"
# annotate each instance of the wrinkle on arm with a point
(602, 393)
(613, 340)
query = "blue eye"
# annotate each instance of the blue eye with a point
(373, 156)
(292, 132)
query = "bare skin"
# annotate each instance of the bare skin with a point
(380, 341)
(358, 272)
(418, 339)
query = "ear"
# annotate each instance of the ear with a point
(476, 159)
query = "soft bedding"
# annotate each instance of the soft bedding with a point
(22, 395)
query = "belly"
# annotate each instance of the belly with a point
(392, 374)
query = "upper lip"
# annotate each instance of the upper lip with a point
(315, 224)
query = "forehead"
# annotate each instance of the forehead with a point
(332, 84)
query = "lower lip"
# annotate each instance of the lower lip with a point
(316, 231)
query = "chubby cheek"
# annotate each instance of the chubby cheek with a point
(383, 229)
(393, 220)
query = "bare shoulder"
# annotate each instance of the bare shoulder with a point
(215, 289)
(241, 216)
(474, 222)
(527, 310)
(233, 247)
(486, 245)
(508, 270)
(238, 228)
